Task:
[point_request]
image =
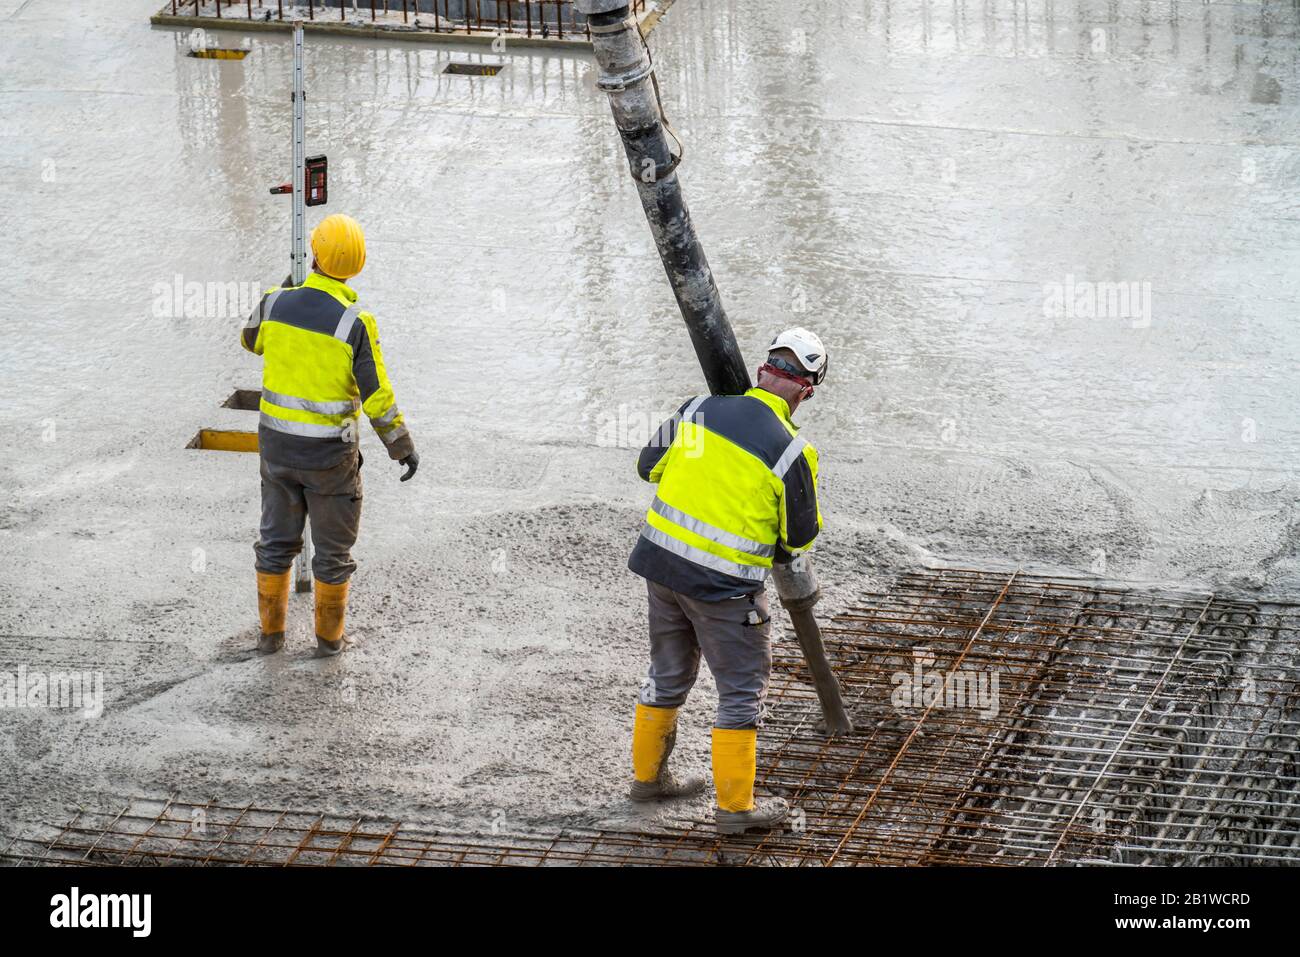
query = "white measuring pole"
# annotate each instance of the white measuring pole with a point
(299, 162)
(302, 566)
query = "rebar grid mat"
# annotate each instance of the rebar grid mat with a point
(1002, 719)
(1127, 727)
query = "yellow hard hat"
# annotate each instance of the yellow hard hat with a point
(339, 245)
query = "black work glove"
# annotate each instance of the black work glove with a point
(412, 462)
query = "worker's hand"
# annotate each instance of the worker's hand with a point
(412, 462)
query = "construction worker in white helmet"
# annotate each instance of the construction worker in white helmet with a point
(321, 367)
(737, 491)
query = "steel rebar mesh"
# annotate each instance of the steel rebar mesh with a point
(1001, 719)
(1131, 727)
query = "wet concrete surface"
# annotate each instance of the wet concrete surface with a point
(919, 182)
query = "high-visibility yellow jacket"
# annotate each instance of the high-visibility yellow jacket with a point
(737, 490)
(321, 366)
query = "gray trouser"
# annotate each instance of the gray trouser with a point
(331, 496)
(736, 638)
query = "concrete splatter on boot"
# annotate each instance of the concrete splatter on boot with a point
(331, 609)
(272, 608)
(653, 736)
(735, 763)
(766, 814)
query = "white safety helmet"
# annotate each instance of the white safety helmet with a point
(807, 348)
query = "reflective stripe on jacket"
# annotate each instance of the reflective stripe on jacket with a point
(737, 490)
(321, 365)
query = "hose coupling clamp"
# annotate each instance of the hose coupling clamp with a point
(620, 82)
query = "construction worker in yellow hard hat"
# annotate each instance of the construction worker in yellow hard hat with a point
(737, 491)
(321, 366)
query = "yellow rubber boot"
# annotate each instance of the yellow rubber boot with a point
(735, 764)
(653, 735)
(331, 609)
(272, 607)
